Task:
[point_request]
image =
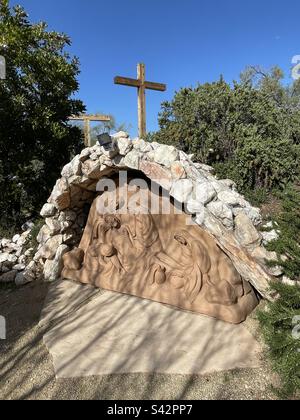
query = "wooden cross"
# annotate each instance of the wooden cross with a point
(141, 84)
(87, 120)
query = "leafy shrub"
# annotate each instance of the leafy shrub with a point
(288, 222)
(242, 131)
(278, 323)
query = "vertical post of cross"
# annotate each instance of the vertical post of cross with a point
(87, 133)
(141, 99)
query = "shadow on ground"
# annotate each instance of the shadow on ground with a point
(26, 368)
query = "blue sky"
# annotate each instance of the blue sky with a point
(182, 42)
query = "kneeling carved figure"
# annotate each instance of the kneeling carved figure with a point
(161, 258)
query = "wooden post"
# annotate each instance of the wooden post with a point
(87, 120)
(141, 100)
(87, 134)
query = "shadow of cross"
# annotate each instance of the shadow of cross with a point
(141, 84)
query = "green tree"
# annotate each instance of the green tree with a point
(35, 103)
(280, 329)
(241, 130)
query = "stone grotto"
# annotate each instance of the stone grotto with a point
(206, 255)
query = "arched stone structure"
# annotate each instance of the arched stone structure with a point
(215, 204)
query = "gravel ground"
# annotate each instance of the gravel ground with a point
(26, 369)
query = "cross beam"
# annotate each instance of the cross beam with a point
(87, 120)
(141, 84)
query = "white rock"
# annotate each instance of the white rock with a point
(218, 186)
(205, 168)
(254, 215)
(269, 236)
(120, 135)
(31, 266)
(246, 233)
(262, 254)
(181, 190)
(49, 249)
(228, 183)
(16, 238)
(53, 225)
(200, 217)
(132, 160)
(8, 259)
(29, 252)
(166, 155)
(94, 156)
(178, 171)
(275, 271)
(11, 248)
(204, 192)
(232, 199)
(97, 150)
(155, 145)
(268, 225)
(194, 206)
(43, 235)
(48, 210)
(288, 282)
(72, 168)
(85, 154)
(142, 146)
(124, 145)
(22, 260)
(5, 243)
(222, 212)
(91, 168)
(52, 269)
(60, 196)
(22, 241)
(19, 267)
(27, 226)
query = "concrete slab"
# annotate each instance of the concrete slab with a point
(64, 298)
(110, 333)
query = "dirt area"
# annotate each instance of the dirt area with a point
(26, 369)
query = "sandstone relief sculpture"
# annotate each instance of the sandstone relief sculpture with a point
(162, 258)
